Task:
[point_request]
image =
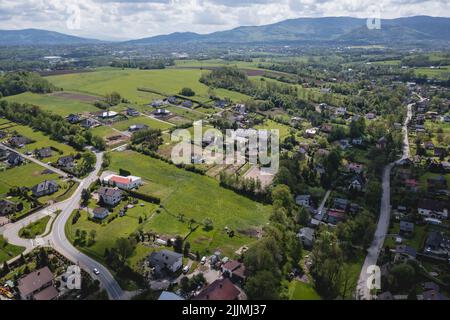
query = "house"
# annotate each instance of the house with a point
(446, 118)
(166, 260)
(429, 145)
(382, 143)
(341, 111)
(161, 113)
(412, 185)
(127, 183)
(344, 144)
(306, 236)
(87, 123)
(221, 104)
(37, 285)
(100, 213)
(370, 116)
(354, 167)
(137, 127)
(4, 153)
(157, 103)
(406, 228)
(341, 204)
(132, 112)
(172, 100)
(110, 196)
(45, 188)
(169, 296)
(187, 104)
(433, 208)
(18, 141)
(433, 295)
(356, 183)
(310, 133)
(234, 270)
(303, 200)
(326, 128)
(66, 162)
(437, 244)
(404, 253)
(7, 207)
(335, 216)
(385, 296)
(437, 183)
(73, 118)
(107, 114)
(446, 166)
(241, 109)
(44, 153)
(220, 289)
(15, 159)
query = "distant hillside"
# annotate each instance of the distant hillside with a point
(335, 29)
(39, 37)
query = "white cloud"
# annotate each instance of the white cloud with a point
(107, 19)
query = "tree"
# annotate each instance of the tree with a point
(185, 285)
(188, 92)
(178, 244)
(208, 224)
(5, 269)
(187, 248)
(403, 275)
(85, 196)
(88, 161)
(125, 248)
(283, 196)
(262, 286)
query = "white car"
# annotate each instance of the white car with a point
(203, 261)
(186, 269)
(96, 272)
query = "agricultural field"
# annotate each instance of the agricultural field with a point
(441, 73)
(195, 197)
(8, 251)
(270, 124)
(152, 123)
(57, 103)
(127, 82)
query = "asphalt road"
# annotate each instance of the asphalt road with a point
(362, 290)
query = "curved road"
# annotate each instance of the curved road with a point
(362, 290)
(58, 240)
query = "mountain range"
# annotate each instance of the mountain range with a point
(326, 29)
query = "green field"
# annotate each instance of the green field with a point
(443, 73)
(23, 176)
(58, 105)
(152, 123)
(34, 229)
(270, 124)
(8, 251)
(126, 82)
(302, 291)
(196, 197)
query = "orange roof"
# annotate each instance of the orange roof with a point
(118, 179)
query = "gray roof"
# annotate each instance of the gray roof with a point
(307, 233)
(166, 295)
(35, 281)
(43, 186)
(109, 192)
(163, 258)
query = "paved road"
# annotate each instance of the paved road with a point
(362, 290)
(43, 164)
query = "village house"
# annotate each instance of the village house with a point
(303, 200)
(411, 185)
(187, 104)
(357, 141)
(137, 127)
(126, 183)
(310, 133)
(132, 112)
(433, 209)
(370, 116)
(87, 123)
(44, 152)
(356, 183)
(15, 159)
(354, 167)
(7, 207)
(172, 100)
(66, 162)
(326, 128)
(157, 103)
(110, 196)
(341, 111)
(403, 253)
(334, 216)
(429, 145)
(165, 260)
(220, 289)
(73, 118)
(107, 114)
(100, 213)
(37, 285)
(44, 188)
(234, 270)
(382, 143)
(221, 104)
(306, 236)
(344, 144)
(18, 141)
(169, 296)
(341, 204)
(406, 228)
(160, 113)
(437, 244)
(4, 153)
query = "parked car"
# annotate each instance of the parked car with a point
(203, 261)
(186, 269)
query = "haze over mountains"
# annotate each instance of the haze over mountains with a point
(328, 29)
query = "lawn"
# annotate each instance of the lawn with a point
(302, 291)
(443, 73)
(152, 123)
(416, 241)
(196, 197)
(270, 124)
(23, 176)
(34, 229)
(58, 105)
(8, 251)
(186, 113)
(126, 82)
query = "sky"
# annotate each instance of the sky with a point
(133, 19)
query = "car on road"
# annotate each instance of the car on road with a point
(96, 272)
(186, 269)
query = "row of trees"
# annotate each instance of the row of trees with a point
(21, 81)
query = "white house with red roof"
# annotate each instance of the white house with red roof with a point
(126, 183)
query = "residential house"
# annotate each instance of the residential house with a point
(132, 112)
(221, 104)
(370, 116)
(169, 296)
(437, 244)
(385, 296)
(161, 113)
(446, 166)
(341, 204)
(187, 104)
(157, 103)
(172, 100)
(220, 289)
(165, 260)
(303, 200)
(137, 127)
(37, 285)
(326, 128)
(110, 196)
(404, 253)
(44, 152)
(100, 213)
(341, 111)
(45, 188)
(437, 183)
(344, 144)
(310, 133)
(412, 185)
(356, 183)
(88, 123)
(7, 207)
(18, 141)
(355, 167)
(446, 118)
(382, 143)
(234, 270)
(335, 216)
(107, 114)
(241, 109)
(66, 162)
(73, 118)
(15, 159)
(433, 208)
(4, 153)
(306, 236)
(127, 183)
(406, 228)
